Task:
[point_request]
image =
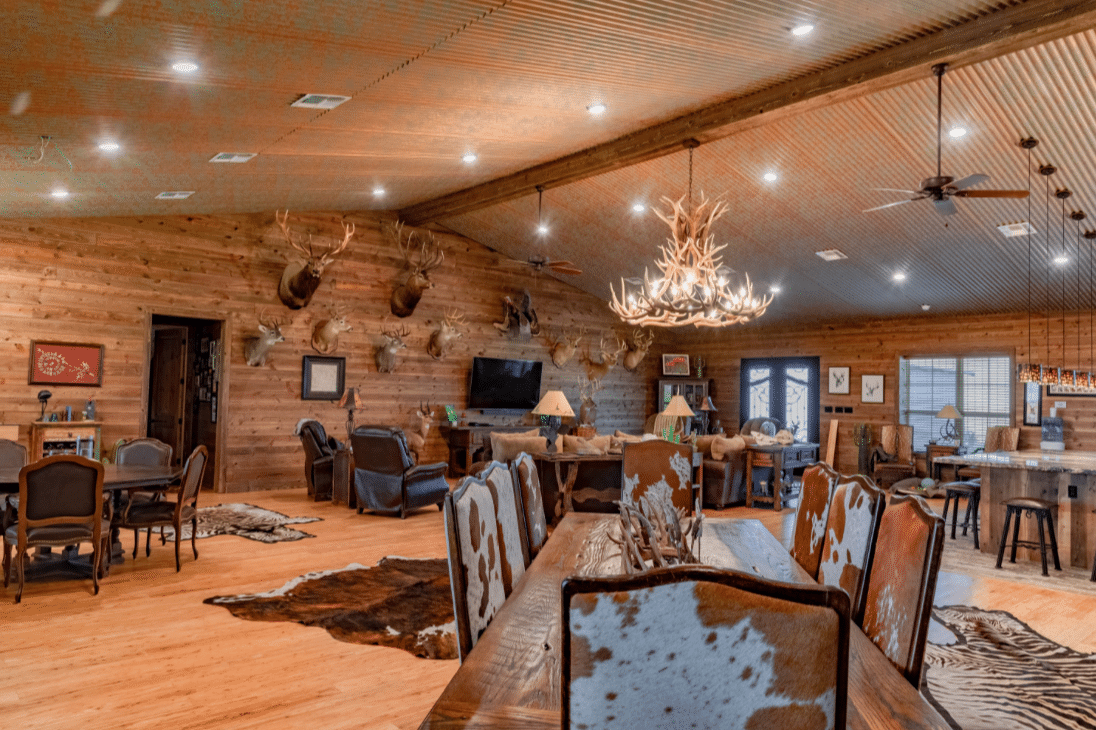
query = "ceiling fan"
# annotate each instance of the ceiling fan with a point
(540, 264)
(942, 188)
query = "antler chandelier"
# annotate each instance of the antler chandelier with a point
(694, 287)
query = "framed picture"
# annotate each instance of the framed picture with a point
(65, 363)
(871, 388)
(1068, 391)
(839, 381)
(1033, 404)
(322, 378)
(675, 364)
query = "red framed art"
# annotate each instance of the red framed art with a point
(66, 363)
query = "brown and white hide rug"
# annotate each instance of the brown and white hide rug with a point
(245, 520)
(401, 602)
(1000, 674)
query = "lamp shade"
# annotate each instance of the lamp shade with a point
(350, 399)
(678, 407)
(707, 405)
(554, 403)
(949, 411)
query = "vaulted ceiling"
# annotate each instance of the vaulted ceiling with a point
(834, 114)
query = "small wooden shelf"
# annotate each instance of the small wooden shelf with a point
(65, 437)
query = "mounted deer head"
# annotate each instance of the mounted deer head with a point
(416, 437)
(441, 341)
(587, 412)
(595, 371)
(563, 349)
(428, 257)
(270, 334)
(385, 355)
(519, 321)
(325, 335)
(637, 349)
(300, 279)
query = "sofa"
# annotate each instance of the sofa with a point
(724, 470)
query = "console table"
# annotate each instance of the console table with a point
(464, 441)
(782, 460)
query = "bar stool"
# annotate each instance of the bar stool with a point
(1041, 509)
(973, 494)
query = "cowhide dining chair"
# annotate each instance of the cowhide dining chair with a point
(902, 583)
(487, 553)
(658, 466)
(693, 646)
(532, 502)
(851, 531)
(811, 516)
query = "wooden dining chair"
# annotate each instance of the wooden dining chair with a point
(851, 531)
(13, 455)
(902, 583)
(811, 515)
(144, 452)
(694, 646)
(532, 502)
(60, 503)
(658, 465)
(162, 513)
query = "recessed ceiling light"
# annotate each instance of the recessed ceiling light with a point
(830, 254)
(899, 276)
(926, 307)
(319, 101)
(60, 193)
(542, 229)
(185, 67)
(233, 157)
(378, 192)
(957, 132)
(774, 289)
(469, 158)
(597, 108)
(770, 177)
(801, 30)
(109, 146)
(1061, 260)
(639, 208)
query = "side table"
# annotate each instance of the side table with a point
(934, 451)
(342, 478)
(782, 460)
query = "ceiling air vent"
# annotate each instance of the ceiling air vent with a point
(232, 156)
(175, 195)
(830, 254)
(1009, 230)
(320, 101)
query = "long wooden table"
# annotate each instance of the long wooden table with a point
(512, 677)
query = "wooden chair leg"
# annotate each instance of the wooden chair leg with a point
(136, 542)
(1053, 542)
(1042, 542)
(7, 564)
(20, 558)
(947, 504)
(148, 542)
(1004, 537)
(1015, 535)
(977, 500)
(194, 536)
(96, 561)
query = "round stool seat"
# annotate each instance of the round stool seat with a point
(961, 487)
(1028, 503)
(1041, 509)
(973, 494)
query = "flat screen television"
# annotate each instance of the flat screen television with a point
(504, 384)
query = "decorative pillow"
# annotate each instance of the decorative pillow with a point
(577, 445)
(627, 438)
(723, 446)
(506, 446)
(704, 444)
(785, 437)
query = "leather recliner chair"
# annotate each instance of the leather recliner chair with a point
(319, 457)
(385, 476)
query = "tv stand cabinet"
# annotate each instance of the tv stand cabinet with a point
(465, 441)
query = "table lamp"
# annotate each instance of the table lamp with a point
(554, 405)
(947, 431)
(351, 399)
(678, 408)
(43, 396)
(706, 409)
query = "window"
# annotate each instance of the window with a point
(979, 387)
(783, 388)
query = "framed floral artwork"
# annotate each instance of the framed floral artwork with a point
(66, 363)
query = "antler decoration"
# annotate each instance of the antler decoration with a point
(658, 532)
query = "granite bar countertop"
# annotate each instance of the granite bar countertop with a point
(1075, 462)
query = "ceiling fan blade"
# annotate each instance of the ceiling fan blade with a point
(991, 193)
(572, 270)
(891, 205)
(969, 180)
(898, 190)
(945, 206)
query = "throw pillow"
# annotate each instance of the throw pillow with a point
(704, 444)
(577, 445)
(721, 447)
(627, 438)
(505, 447)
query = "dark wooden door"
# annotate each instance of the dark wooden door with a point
(167, 388)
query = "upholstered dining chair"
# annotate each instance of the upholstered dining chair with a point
(144, 452)
(532, 502)
(902, 583)
(693, 646)
(811, 516)
(60, 503)
(162, 513)
(896, 440)
(851, 531)
(658, 465)
(485, 547)
(13, 455)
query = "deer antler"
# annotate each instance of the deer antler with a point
(454, 317)
(397, 334)
(335, 250)
(283, 223)
(270, 322)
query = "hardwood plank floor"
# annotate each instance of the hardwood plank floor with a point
(148, 653)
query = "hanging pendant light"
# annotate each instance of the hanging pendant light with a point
(1089, 236)
(1048, 374)
(1083, 378)
(1066, 376)
(1028, 371)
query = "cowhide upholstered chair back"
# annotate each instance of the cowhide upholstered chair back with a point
(898, 440)
(693, 646)
(902, 583)
(811, 516)
(851, 530)
(532, 502)
(658, 465)
(484, 531)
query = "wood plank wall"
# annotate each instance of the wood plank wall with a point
(873, 347)
(100, 280)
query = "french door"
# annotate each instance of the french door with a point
(784, 388)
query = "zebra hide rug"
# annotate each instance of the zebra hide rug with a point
(1000, 674)
(245, 520)
(401, 602)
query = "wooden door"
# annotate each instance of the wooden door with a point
(167, 388)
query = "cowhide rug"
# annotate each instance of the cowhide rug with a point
(245, 520)
(999, 673)
(401, 602)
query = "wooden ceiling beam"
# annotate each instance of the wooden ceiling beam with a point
(1002, 32)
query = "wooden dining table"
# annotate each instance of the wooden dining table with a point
(511, 679)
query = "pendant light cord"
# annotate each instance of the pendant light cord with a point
(1047, 178)
(1030, 233)
(1064, 256)
(690, 182)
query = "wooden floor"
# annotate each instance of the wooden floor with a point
(147, 653)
